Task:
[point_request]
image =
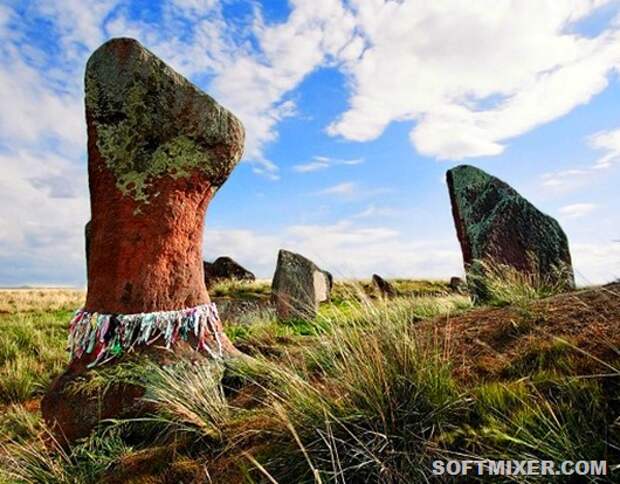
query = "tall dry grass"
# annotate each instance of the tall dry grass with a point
(502, 284)
(42, 300)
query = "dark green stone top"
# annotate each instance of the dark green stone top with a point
(152, 122)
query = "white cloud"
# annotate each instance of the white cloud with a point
(41, 233)
(252, 65)
(565, 180)
(31, 111)
(356, 161)
(248, 65)
(254, 84)
(249, 248)
(310, 167)
(608, 141)
(352, 191)
(472, 75)
(77, 23)
(322, 162)
(7, 15)
(577, 210)
(596, 263)
(196, 6)
(373, 211)
(345, 249)
(345, 189)
(400, 57)
(42, 130)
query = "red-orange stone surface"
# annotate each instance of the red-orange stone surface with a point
(158, 149)
(148, 261)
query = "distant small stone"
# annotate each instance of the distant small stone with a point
(384, 288)
(299, 286)
(496, 225)
(457, 284)
(225, 269)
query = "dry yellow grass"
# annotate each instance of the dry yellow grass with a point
(40, 299)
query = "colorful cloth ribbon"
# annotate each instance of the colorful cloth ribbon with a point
(110, 335)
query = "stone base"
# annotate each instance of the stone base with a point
(76, 403)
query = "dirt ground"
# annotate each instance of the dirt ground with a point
(583, 326)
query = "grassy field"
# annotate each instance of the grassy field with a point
(33, 334)
(372, 390)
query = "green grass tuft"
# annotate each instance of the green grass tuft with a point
(32, 351)
(503, 284)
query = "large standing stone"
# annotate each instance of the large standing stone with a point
(225, 268)
(158, 150)
(298, 286)
(496, 224)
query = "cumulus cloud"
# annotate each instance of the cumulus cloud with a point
(254, 86)
(43, 190)
(400, 58)
(31, 111)
(471, 75)
(41, 227)
(77, 23)
(249, 65)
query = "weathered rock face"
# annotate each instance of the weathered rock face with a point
(298, 286)
(496, 224)
(87, 242)
(158, 150)
(384, 288)
(225, 268)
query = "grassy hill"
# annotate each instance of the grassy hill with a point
(373, 390)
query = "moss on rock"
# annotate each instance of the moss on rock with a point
(151, 122)
(496, 224)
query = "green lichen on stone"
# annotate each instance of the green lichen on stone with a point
(293, 282)
(151, 122)
(499, 225)
(478, 201)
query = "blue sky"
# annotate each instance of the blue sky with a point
(353, 109)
